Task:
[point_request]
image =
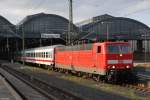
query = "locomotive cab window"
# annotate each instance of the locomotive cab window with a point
(115, 49)
(98, 49)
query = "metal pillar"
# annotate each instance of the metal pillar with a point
(23, 44)
(7, 45)
(40, 42)
(107, 32)
(140, 46)
(107, 29)
(70, 22)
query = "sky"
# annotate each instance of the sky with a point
(16, 10)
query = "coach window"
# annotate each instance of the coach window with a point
(99, 49)
(41, 54)
(38, 55)
(44, 54)
(50, 55)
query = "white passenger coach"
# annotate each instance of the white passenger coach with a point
(40, 55)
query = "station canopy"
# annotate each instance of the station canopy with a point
(34, 26)
(115, 28)
(6, 28)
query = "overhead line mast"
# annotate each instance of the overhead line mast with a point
(70, 27)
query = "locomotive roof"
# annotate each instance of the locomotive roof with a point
(116, 42)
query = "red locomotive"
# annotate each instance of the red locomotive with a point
(112, 60)
(108, 60)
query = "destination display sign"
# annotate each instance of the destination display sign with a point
(50, 35)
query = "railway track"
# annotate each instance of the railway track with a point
(139, 89)
(55, 93)
(47, 89)
(144, 76)
(138, 86)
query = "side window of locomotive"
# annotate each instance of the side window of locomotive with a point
(98, 49)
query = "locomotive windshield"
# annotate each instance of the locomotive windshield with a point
(117, 49)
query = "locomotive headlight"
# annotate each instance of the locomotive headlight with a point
(113, 67)
(127, 66)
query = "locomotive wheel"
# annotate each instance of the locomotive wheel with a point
(85, 76)
(96, 77)
(79, 74)
(90, 75)
(66, 72)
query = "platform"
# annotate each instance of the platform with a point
(5, 90)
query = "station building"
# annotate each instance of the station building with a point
(107, 27)
(99, 28)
